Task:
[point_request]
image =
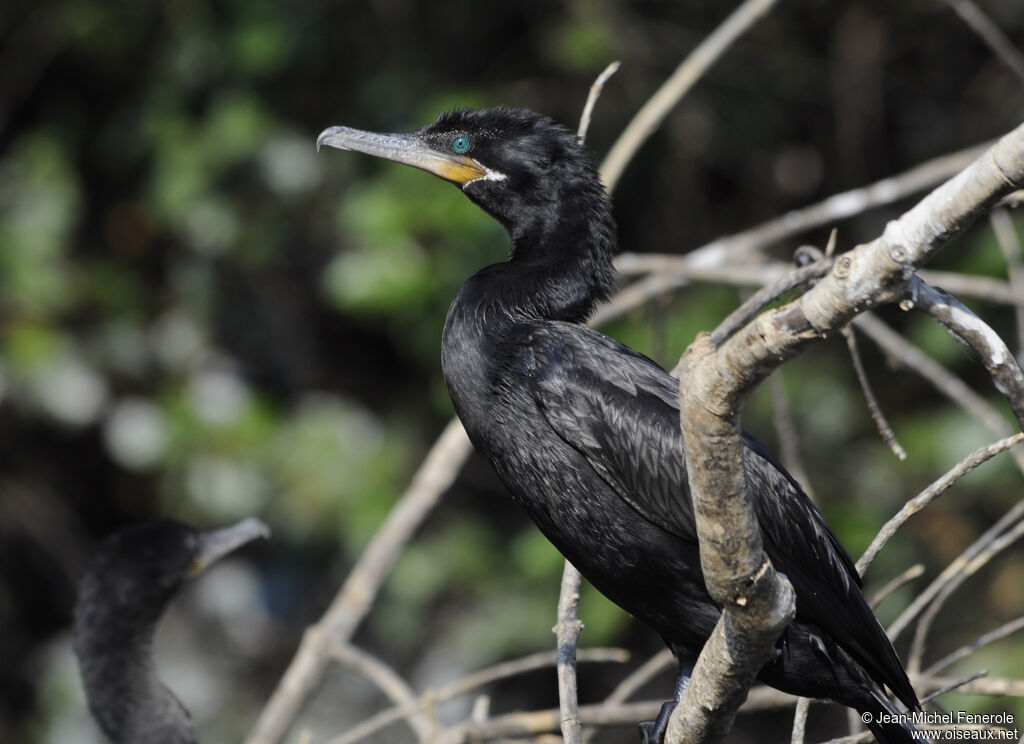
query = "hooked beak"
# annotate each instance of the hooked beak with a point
(215, 545)
(407, 149)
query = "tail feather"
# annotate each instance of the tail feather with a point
(889, 725)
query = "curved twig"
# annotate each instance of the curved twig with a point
(1013, 517)
(897, 582)
(796, 279)
(652, 113)
(356, 595)
(900, 349)
(876, 410)
(936, 489)
(475, 681)
(970, 330)
(387, 680)
(970, 568)
(981, 641)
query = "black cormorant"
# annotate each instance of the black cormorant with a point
(124, 591)
(584, 432)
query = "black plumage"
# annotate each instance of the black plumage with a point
(122, 595)
(584, 431)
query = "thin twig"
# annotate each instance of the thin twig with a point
(955, 685)
(955, 568)
(595, 92)
(526, 724)
(568, 626)
(936, 489)
(991, 34)
(981, 641)
(1009, 244)
(356, 595)
(736, 247)
(995, 686)
(787, 434)
(917, 646)
(795, 280)
(876, 410)
(641, 676)
(632, 682)
(897, 582)
(475, 681)
(387, 680)
(657, 107)
(679, 271)
(900, 349)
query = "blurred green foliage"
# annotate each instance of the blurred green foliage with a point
(202, 317)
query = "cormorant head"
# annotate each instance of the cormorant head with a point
(520, 167)
(137, 570)
(121, 597)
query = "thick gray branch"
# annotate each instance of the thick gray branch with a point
(757, 603)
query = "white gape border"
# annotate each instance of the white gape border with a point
(489, 175)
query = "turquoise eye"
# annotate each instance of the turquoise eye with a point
(460, 144)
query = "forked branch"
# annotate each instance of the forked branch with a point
(757, 603)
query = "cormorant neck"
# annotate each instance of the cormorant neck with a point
(115, 650)
(560, 265)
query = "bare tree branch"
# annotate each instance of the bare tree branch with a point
(387, 680)
(796, 279)
(472, 682)
(917, 645)
(876, 410)
(999, 633)
(355, 598)
(970, 330)
(739, 246)
(991, 34)
(567, 631)
(957, 684)
(757, 603)
(652, 113)
(641, 676)
(900, 580)
(901, 350)
(995, 686)
(595, 92)
(803, 707)
(957, 567)
(1009, 244)
(929, 494)
(568, 627)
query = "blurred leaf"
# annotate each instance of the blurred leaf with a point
(261, 41)
(39, 204)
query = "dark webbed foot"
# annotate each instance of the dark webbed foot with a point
(653, 732)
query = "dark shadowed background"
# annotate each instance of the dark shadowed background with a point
(203, 318)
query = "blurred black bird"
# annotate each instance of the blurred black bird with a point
(585, 433)
(134, 575)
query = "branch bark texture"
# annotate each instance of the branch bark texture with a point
(757, 603)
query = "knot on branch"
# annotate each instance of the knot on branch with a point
(763, 602)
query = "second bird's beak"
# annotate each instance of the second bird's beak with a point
(215, 545)
(405, 148)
